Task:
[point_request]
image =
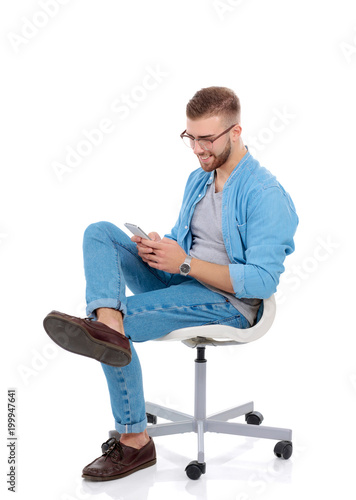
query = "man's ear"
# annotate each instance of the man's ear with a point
(236, 132)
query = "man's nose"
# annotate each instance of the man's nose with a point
(197, 148)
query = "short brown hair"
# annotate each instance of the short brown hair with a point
(212, 101)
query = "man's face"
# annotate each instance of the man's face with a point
(209, 128)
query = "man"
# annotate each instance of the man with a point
(224, 254)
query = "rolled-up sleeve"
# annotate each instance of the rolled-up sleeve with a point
(268, 238)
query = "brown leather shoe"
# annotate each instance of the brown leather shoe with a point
(120, 461)
(88, 338)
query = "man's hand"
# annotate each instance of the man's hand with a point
(144, 249)
(167, 255)
(163, 254)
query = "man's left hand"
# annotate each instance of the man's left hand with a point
(165, 255)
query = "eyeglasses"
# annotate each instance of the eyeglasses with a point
(205, 144)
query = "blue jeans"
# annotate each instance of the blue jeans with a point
(162, 302)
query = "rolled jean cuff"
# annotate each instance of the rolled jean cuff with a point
(131, 428)
(110, 303)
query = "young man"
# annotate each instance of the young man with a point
(224, 254)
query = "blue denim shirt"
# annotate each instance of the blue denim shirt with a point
(258, 225)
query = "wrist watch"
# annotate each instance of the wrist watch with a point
(184, 269)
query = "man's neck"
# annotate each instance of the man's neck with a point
(223, 173)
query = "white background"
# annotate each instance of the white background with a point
(64, 76)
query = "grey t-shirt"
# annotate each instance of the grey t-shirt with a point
(208, 245)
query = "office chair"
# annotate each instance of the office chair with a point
(217, 335)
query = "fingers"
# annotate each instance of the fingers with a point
(143, 249)
(149, 258)
(148, 249)
(146, 253)
(142, 244)
(154, 236)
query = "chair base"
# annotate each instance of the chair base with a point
(200, 423)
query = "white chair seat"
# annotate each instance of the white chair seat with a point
(225, 335)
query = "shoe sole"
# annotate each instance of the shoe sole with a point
(119, 476)
(73, 338)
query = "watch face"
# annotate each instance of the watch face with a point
(185, 268)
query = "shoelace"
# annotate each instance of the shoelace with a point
(116, 445)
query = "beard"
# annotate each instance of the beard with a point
(216, 162)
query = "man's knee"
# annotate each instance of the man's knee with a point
(102, 230)
(96, 229)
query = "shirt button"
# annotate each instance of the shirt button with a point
(199, 196)
(185, 227)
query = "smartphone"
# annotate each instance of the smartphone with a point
(137, 231)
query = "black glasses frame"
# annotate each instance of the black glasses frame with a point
(202, 142)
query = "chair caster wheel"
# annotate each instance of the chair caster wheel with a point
(151, 419)
(254, 418)
(283, 449)
(194, 469)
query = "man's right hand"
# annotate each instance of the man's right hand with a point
(144, 249)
